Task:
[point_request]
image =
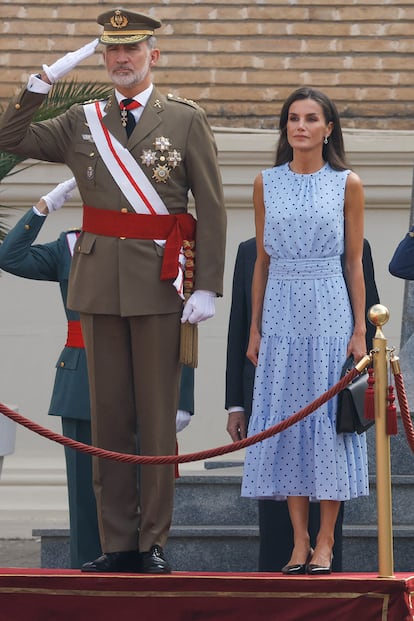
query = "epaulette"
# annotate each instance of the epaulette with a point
(183, 100)
(89, 101)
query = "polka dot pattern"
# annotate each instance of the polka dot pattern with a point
(306, 326)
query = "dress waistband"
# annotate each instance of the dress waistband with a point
(302, 269)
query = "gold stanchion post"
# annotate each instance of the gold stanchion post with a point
(378, 316)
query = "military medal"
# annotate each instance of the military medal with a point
(149, 157)
(162, 143)
(161, 173)
(174, 158)
(124, 115)
(164, 158)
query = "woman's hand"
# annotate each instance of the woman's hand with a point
(357, 347)
(252, 352)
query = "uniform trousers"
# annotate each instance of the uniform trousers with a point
(133, 369)
(84, 535)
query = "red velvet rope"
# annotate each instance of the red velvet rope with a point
(185, 458)
(404, 409)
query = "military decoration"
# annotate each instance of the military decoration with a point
(174, 158)
(161, 173)
(164, 158)
(149, 157)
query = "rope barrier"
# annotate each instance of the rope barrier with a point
(189, 457)
(404, 409)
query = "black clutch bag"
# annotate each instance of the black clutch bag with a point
(351, 400)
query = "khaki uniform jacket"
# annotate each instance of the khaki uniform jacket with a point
(121, 276)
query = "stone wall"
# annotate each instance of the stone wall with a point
(241, 60)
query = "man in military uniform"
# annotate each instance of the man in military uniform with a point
(134, 176)
(21, 256)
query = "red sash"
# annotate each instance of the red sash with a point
(174, 228)
(74, 338)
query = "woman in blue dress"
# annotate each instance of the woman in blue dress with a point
(309, 209)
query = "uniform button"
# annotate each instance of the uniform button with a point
(62, 364)
(124, 210)
(122, 238)
(17, 106)
(27, 227)
(92, 154)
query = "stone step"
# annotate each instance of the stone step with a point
(215, 499)
(402, 457)
(363, 510)
(212, 499)
(235, 548)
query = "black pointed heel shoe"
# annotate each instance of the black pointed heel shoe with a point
(298, 568)
(319, 570)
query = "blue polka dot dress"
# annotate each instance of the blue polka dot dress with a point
(306, 326)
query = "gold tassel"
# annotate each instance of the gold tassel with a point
(189, 331)
(189, 344)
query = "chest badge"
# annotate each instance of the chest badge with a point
(163, 158)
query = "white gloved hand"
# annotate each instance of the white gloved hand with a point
(56, 197)
(68, 62)
(201, 305)
(182, 420)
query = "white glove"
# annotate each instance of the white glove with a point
(182, 420)
(68, 62)
(201, 305)
(56, 197)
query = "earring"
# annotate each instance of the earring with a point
(325, 140)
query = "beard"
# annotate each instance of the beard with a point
(128, 77)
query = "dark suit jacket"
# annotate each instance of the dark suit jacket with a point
(402, 262)
(239, 370)
(51, 262)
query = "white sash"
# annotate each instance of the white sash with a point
(125, 170)
(129, 177)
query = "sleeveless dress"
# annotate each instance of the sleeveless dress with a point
(306, 326)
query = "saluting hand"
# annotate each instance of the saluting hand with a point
(68, 62)
(57, 197)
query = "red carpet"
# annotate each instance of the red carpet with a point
(67, 595)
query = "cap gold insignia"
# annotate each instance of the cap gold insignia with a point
(118, 20)
(163, 157)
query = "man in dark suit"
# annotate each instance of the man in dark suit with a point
(402, 261)
(136, 157)
(19, 255)
(276, 536)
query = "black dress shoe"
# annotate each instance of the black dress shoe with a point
(115, 562)
(154, 562)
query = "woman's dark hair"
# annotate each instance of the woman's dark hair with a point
(334, 151)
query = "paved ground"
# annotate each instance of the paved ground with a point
(20, 552)
(23, 509)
